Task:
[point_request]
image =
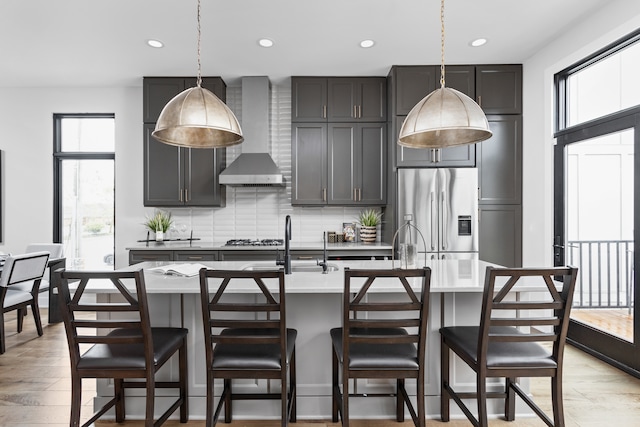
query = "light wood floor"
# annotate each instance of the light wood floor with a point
(618, 322)
(35, 389)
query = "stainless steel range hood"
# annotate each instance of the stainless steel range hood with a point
(254, 167)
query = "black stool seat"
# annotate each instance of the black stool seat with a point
(252, 356)
(376, 356)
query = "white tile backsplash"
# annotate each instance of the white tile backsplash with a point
(259, 213)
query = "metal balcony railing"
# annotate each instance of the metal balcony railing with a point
(605, 275)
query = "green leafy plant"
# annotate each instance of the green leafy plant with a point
(369, 218)
(160, 221)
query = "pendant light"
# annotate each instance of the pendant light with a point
(445, 117)
(197, 118)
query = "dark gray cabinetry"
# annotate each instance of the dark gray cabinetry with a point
(142, 256)
(338, 164)
(356, 99)
(408, 85)
(309, 164)
(338, 99)
(338, 141)
(176, 176)
(501, 234)
(500, 161)
(194, 256)
(270, 255)
(499, 88)
(356, 163)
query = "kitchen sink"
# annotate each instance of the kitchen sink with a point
(295, 267)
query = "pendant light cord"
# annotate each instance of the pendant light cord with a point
(199, 79)
(441, 44)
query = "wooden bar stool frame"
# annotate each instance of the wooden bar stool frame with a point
(227, 342)
(372, 334)
(143, 349)
(509, 345)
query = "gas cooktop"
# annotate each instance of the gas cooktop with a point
(255, 242)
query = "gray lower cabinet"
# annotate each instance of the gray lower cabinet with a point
(338, 164)
(500, 161)
(142, 256)
(501, 234)
(268, 255)
(178, 176)
(195, 256)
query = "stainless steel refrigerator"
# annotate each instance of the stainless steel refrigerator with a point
(443, 204)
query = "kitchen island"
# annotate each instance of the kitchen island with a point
(314, 306)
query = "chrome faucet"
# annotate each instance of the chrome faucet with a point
(324, 264)
(286, 262)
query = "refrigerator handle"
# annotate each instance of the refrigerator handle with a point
(444, 218)
(434, 218)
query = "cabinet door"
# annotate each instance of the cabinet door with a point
(458, 156)
(370, 155)
(459, 77)
(202, 167)
(342, 99)
(309, 164)
(341, 162)
(195, 256)
(308, 99)
(372, 99)
(500, 161)
(156, 92)
(136, 256)
(163, 172)
(499, 88)
(500, 237)
(412, 84)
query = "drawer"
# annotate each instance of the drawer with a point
(142, 256)
(195, 256)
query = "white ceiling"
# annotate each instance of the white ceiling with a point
(103, 43)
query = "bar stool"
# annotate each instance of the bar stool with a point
(383, 339)
(247, 339)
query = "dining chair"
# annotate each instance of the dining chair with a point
(122, 344)
(247, 339)
(518, 337)
(19, 269)
(382, 339)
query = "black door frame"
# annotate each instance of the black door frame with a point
(613, 350)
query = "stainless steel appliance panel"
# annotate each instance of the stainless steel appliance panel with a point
(444, 207)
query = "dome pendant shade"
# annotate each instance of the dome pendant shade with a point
(444, 118)
(197, 118)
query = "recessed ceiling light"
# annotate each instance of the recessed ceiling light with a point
(478, 42)
(155, 43)
(265, 42)
(367, 43)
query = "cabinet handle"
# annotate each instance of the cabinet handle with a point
(324, 194)
(355, 111)
(180, 195)
(186, 195)
(359, 111)
(324, 111)
(194, 257)
(480, 100)
(433, 155)
(438, 155)
(355, 194)
(304, 257)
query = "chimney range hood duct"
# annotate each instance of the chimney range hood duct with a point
(254, 167)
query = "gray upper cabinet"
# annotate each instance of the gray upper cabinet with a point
(499, 88)
(177, 176)
(459, 77)
(338, 164)
(411, 84)
(309, 99)
(354, 99)
(309, 164)
(338, 99)
(157, 91)
(356, 163)
(500, 161)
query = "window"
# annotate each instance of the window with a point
(84, 193)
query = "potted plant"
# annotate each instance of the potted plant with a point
(159, 224)
(369, 220)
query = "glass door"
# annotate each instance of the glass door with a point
(595, 203)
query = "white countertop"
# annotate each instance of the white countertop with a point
(446, 276)
(198, 245)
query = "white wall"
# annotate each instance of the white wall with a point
(617, 19)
